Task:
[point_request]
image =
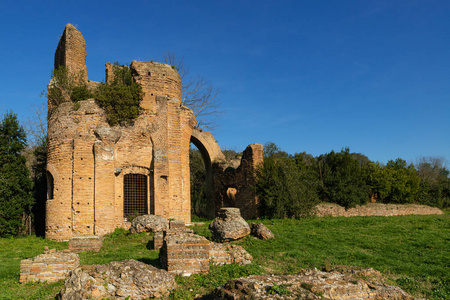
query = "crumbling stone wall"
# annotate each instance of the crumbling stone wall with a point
(50, 266)
(375, 209)
(234, 187)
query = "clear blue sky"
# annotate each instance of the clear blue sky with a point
(310, 76)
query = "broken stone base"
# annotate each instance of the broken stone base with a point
(85, 243)
(50, 266)
(128, 279)
(183, 252)
(312, 284)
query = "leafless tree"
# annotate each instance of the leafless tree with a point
(197, 93)
(431, 168)
(36, 125)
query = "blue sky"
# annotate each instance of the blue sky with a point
(310, 76)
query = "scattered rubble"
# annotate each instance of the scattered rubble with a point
(261, 231)
(229, 225)
(224, 254)
(128, 279)
(312, 284)
(149, 223)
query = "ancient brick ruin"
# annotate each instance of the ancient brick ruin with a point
(50, 266)
(98, 175)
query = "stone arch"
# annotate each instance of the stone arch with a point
(211, 152)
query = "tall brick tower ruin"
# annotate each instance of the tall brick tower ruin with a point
(98, 175)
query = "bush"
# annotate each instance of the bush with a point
(66, 86)
(286, 187)
(121, 97)
(342, 179)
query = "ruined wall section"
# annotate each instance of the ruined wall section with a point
(235, 187)
(71, 52)
(180, 125)
(71, 163)
(156, 79)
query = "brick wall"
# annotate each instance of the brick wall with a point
(88, 159)
(185, 253)
(50, 266)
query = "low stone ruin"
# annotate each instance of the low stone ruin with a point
(149, 223)
(375, 209)
(261, 231)
(128, 279)
(85, 243)
(225, 254)
(229, 225)
(183, 252)
(312, 284)
(50, 266)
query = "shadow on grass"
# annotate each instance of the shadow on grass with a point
(150, 261)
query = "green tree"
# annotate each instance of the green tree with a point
(404, 182)
(286, 186)
(16, 186)
(342, 179)
(434, 182)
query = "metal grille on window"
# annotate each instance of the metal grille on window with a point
(135, 195)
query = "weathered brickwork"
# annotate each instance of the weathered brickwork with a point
(50, 266)
(91, 165)
(375, 209)
(88, 160)
(234, 187)
(85, 243)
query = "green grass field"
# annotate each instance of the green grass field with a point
(412, 251)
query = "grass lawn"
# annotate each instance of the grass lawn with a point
(412, 251)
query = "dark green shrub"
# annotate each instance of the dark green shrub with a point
(286, 187)
(66, 86)
(121, 97)
(342, 179)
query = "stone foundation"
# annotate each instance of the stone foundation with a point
(375, 209)
(85, 243)
(185, 253)
(182, 252)
(50, 266)
(312, 284)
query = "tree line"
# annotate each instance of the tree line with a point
(291, 185)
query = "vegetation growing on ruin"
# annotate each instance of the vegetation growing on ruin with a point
(67, 86)
(121, 97)
(411, 251)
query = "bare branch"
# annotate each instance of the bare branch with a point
(36, 126)
(197, 93)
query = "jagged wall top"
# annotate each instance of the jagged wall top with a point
(71, 52)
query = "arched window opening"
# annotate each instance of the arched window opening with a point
(135, 197)
(50, 185)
